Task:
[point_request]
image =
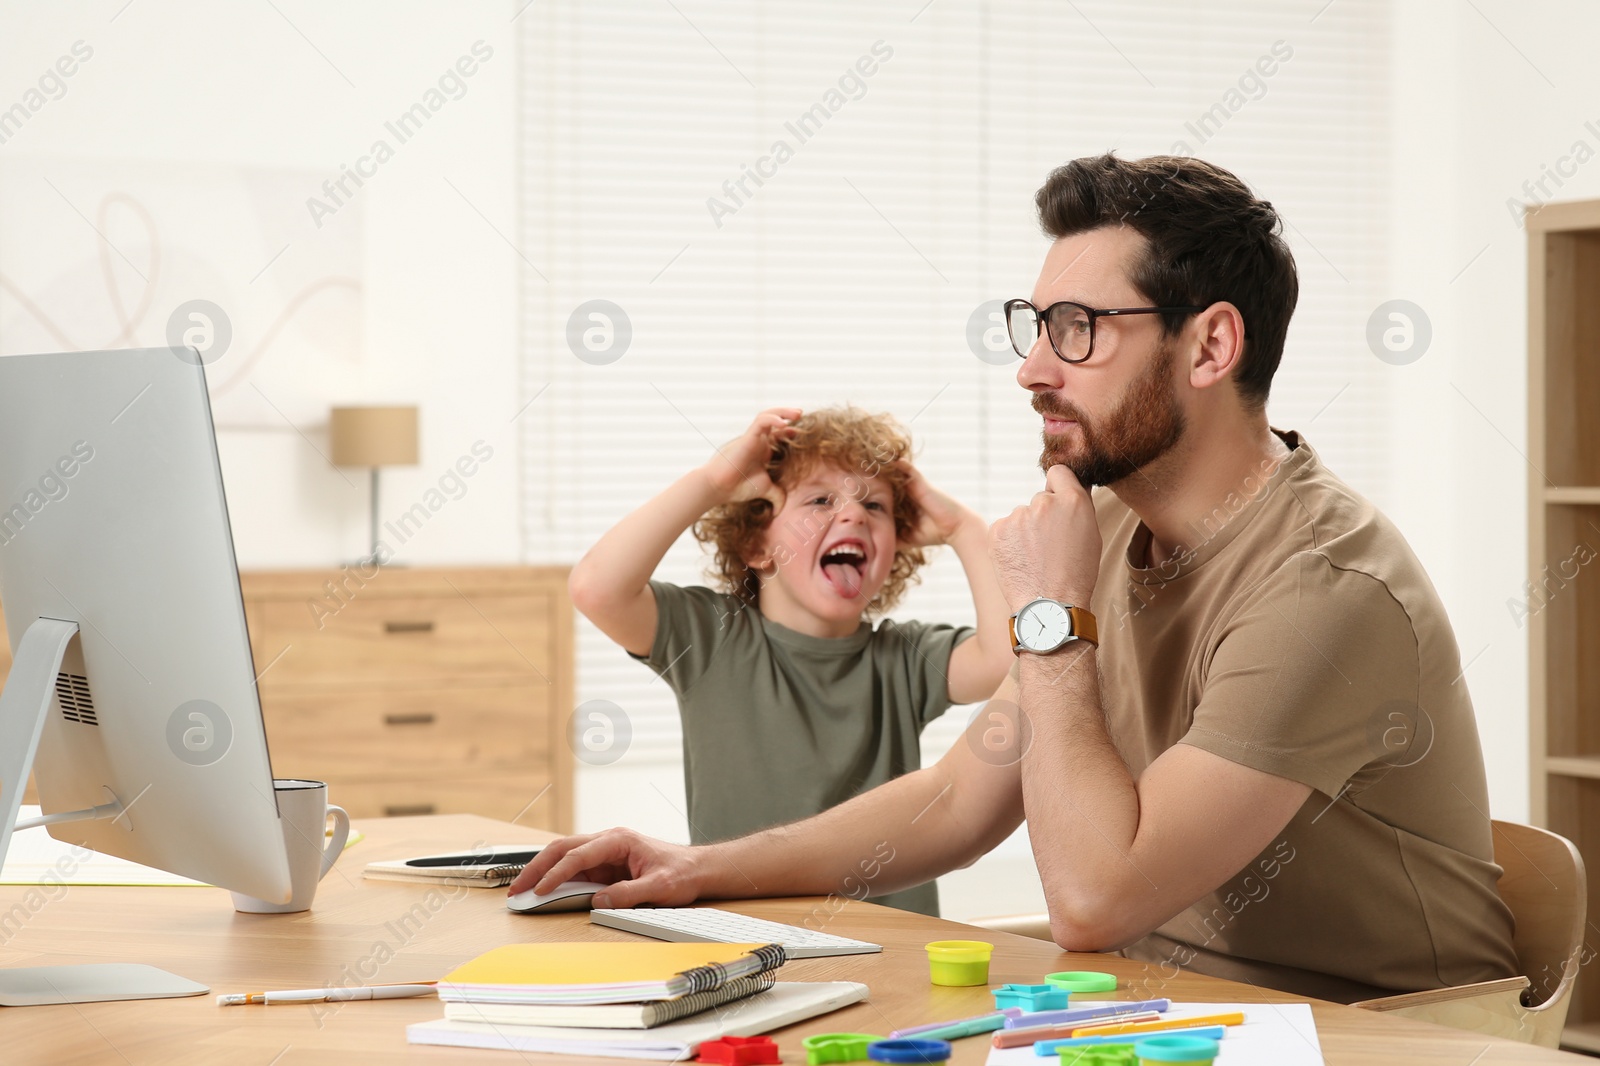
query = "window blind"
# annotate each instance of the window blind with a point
(848, 268)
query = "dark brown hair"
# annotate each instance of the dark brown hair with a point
(1207, 238)
(847, 439)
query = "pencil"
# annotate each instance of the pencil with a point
(330, 995)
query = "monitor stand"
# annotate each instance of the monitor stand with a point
(26, 700)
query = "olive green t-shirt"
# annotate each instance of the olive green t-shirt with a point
(1296, 633)
(779, 726)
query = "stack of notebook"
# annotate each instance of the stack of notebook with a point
(632, 1000)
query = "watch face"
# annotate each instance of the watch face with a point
(1043, 625)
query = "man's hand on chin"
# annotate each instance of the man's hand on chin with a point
(638, 869)
(1050, 546)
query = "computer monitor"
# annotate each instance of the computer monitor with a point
(132, 693)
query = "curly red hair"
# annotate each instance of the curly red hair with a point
(848, 439)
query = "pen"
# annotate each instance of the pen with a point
(1084, 1014)
(1033, 1034)
(1236, 1018)
(330, 995)
(990, 1020)
(1050, 1047)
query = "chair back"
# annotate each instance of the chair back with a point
(1545, 887)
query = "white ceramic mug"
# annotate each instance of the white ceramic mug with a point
(304, 811)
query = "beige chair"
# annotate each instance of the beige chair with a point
(1545, 888)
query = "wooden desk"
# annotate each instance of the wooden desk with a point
(371, 931)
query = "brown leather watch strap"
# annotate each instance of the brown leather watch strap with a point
(1084, 626)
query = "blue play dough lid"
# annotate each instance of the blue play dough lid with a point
(909, 1050)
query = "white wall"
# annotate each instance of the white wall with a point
(189, 86)
(1486, 96)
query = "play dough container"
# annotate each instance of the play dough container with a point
(959, 962)
(1176, 1051)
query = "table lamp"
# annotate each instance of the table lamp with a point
(374, 437)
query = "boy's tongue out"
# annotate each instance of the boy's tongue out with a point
(843, 565)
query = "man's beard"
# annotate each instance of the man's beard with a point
(1143, 427)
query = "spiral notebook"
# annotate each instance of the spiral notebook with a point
(489, 867)
(608, 1015)
(591, 972)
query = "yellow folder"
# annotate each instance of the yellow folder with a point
(604, 972)
(592, 963)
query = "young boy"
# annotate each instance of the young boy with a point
(791, 700)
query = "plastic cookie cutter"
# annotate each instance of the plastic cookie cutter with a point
(837, 1047)
(1030, 997)
(910, 1050)
(1106, 1055)
(739, 1051)
(1082, 981)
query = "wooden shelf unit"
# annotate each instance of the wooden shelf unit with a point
(418, 691)
(1563, 599)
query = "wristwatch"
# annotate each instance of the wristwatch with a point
(1043, 625)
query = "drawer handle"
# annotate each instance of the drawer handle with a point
(408, 627)
(408, 719)
(404, 810)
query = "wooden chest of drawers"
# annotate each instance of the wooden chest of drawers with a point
(418, 691)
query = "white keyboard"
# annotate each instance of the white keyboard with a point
(725, 927)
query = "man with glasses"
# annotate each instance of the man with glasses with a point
(1237, 727)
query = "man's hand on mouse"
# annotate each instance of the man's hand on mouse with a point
(638, 869)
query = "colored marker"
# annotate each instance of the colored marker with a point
(1084, 1014)
(1049, 1047)
(1033, 1034)
(999, 1017)
(1115, 1028)
(960, 1029)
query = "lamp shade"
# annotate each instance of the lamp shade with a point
(373, 436)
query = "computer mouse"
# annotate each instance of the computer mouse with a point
(567, 896)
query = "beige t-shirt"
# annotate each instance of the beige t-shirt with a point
(1296, 633)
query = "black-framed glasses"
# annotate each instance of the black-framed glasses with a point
(1070, 326)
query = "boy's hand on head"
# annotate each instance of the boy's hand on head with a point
(739, 469)
(942, 515)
